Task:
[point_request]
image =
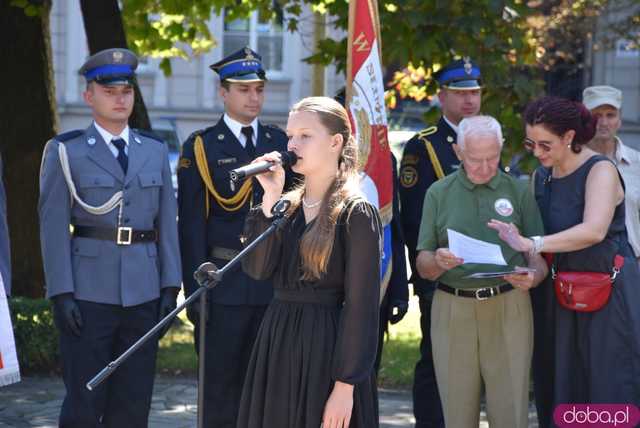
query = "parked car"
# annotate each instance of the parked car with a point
(166, 129)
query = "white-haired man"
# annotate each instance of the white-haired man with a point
(481, 329)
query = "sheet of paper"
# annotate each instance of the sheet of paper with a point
(473, 250)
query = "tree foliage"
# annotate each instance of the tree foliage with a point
(179, 28)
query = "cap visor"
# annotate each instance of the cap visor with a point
(246, 78)
(114, 81)
(463, 85)
(599, 102)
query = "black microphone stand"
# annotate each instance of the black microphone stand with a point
(207, 276)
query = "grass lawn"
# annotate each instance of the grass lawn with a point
(401, 350)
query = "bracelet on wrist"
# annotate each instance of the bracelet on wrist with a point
(538, 243)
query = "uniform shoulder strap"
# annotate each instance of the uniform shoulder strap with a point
(149, 134)
(429, 131)
(69, 135)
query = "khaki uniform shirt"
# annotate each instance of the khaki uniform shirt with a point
(456, 203)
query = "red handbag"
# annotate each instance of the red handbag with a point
(585, 291)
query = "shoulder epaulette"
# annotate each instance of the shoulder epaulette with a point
(275, 128)
(69, 135)
(429, 131)
(149, 134)
(197, 132)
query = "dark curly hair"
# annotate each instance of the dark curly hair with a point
(559, 115)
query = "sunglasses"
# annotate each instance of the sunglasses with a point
(530, 145)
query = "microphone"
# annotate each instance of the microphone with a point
(286, 159)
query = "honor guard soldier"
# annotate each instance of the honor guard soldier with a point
(211, 221)
(110, 248)
(428, 157)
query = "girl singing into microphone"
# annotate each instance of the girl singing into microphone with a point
(312, 362)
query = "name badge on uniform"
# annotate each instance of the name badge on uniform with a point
(503, 207)
(227, 161)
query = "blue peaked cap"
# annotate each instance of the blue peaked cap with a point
(244, 65)
(460, 74)
(111, 67)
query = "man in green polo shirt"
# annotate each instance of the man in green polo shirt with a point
(481, 329)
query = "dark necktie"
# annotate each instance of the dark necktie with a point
(249, 146)
(123, 160)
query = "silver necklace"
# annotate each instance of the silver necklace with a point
(312, 205)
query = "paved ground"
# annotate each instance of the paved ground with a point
(35, 402)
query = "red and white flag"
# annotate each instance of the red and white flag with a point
(366, 107)
(9, 369)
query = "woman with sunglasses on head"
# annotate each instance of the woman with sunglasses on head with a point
(312, 362)
(581, 198)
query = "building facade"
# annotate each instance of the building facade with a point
(187, 99)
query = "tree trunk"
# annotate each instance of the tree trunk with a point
(104, 29)
(28, 121)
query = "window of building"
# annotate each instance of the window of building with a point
(261, 33)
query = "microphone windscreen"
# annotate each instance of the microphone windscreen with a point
(288, 158)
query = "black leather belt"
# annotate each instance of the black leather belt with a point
(478, 293)
(120, 235)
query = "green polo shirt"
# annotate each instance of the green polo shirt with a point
(456, 203)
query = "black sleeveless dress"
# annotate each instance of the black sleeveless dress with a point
(314, 333)
(596, 354)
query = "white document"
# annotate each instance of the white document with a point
(473, 250)
(9, 370)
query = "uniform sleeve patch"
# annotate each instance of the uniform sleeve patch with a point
(408, 176)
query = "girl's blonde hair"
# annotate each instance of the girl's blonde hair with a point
(317, 241)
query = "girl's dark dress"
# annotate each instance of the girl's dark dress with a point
(314, 333)
(595, 356)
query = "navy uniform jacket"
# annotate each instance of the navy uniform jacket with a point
(417, 173)
(99, 270)
(398, 290)
(5, 250)
(222, 229)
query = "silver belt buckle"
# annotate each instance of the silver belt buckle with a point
(128, 235)
(480, 290)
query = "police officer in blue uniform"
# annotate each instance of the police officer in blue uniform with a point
(5, 250)
(427, 157)
(116, 271)
(211, 221)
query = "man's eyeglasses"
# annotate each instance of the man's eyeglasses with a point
(530, 145)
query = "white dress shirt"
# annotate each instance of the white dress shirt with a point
(454, 127)
(236, 129)
(107, 137)
(628, 162)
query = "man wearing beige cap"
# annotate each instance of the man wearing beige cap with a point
(604, 103)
